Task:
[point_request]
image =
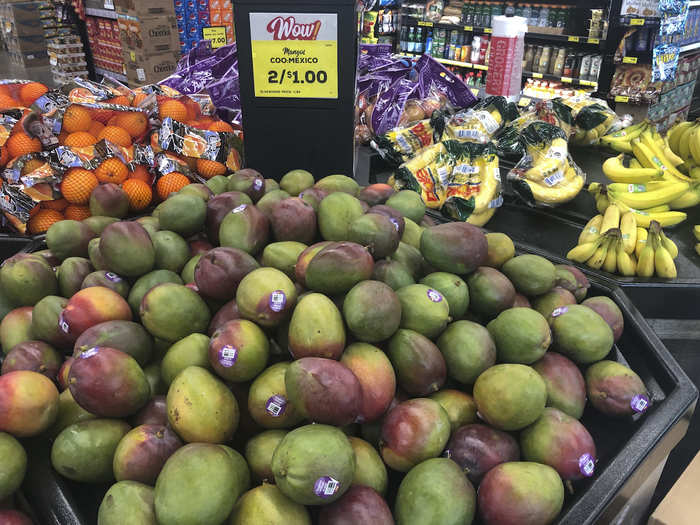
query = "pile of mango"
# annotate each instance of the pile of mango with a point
(256, 352)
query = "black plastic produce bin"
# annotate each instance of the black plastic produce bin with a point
(11, 245)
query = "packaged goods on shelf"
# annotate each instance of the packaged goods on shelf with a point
(192, 17)
(105, 43)
(634, 82)
(144, 37)
(23, 32)
(642, 8)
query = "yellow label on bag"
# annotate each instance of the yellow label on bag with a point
(295, 55)
(216, 35)
(621, 98)
(629, 60)
(573, 39)
(637, 22)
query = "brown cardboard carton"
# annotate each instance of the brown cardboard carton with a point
(148, 35)
(139, 8)
(151, 69)
(680, 506)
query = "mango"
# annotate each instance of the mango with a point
(97, 223)
(572, 279)
(259, 451)
(283, 256)
(14, 465)
(69, 239)
(192, 350)
(109, 200)
(271, 185)
(197, 486)
(412, 234)
(16, 327)
(468, 350)
(419, 365)
(454, 247)
(187, 273)
(360, 504)
(63, 373)
(240, 468)
(409, 203)
(490, 292)
(510, 396)
(172, 311)
(296, 181)
(335, 214)
(521, 335)
(392, 273)
(172, 251)
(566, 388)
(376, 194)
(268, 403)
(267, 505)
(183, 214)
(372, 311)
(560, 441)
(199, 246)
(410, 257)
(306, 257)
(377, 379)
(435, 491)
(501, 249)
(36, 356)
(127, 502)
(316, 328)
(248, 181)
(228, 312)
(28, 403)
(238, 351)
(609, 311)
(92, 306)
(581, 334)
(423, 310)
(127, 237)
(47, 257)
(616, 390)
(84, 451)
(129, 337)
(217, 184)
(270, 201)
(452, 288)
(245, 228)
(150, 223)
(45, 321)
(198, 190)
(69, 412)
(96, 259)
(507, 485)
(314, 464)
(336, 268)
(219, 272)
(413, 431)
(376, 233)
(338, 183)
(14, 517)
(148, 281)
(108, 382)
(201, 408)
(521, 301)
(154, 413)
(530, 274)
(108, 280)
(395, 216)
(460, 407)
(142, 452)
(219, 207)
(313, 197)
(323, 390)
(293, 220)
(553, 299)
(25, 280)
(477, 448)
(266, 296)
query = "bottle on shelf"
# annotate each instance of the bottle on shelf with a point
(536, 59)
(543, 20)
(402, 40)
(510, 9)
(543, 66)
(569, 63)
(528, 57)
(553, 14)
(429, 43)
(559, 62)
(411, 41)
(419, 41)
(534, 17)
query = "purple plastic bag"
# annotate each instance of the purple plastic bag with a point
(390, 105)
(433, 76)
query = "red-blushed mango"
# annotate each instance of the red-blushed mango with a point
(245, 228)
(109, 200)
(69, 238)
(521, 301)
(199, 246)
(335, 214)
(201, 408)
(109, 280)
(455, 247)
(226, 313)
(566, 388)
(507, 485)
(127, 336)
(477, 448)
(358, 505)
(419, 365)
(239, 350)
(397, 219)
(293, 220)
(313, 197)
(370, 470)
(171, 311)
(218, 207)
(305, 258)
(90, 307)
(45, 322)
(267, 504)
(268, 403)
(14, 517)
(36, 356)
(609, 311)
(377, 379)
(572, 279)
(26, 279)
(413, 431)
(108, 382)
(266, 296)
(64, 372)
(270, 200)
(97, 261)
(28, 403)
(154, 413)
(375, 232)
(141, 454)
(490, 292)
(324, 390)
(553, 299)
(127, 237)
(393, 273)
(338, 267)
(616, 390)
(71, 274)
(127, 502)
(259, 451)
(316, 328)
(248, 181)
(376, 194)
(219, 272)
(460, 407)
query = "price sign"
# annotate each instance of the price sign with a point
(573, 39)
(480, 66)
(629, 60)
(537, 75)
(488, 30)
(425, 24)
(637, 22)
(216, 35)
(594, 41)
(468, 28)
(621, 98)
(566, 80)
(295, 55)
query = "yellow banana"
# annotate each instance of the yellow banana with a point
(610, 263)
(619, 169)
(668, 244)
(697, 248)
(674, 159)
(689, 199)
(642, 234)
(696, 231)
(649, 199)
(611, 218)
(628, 228)
(562, 191)
(634, 163)
(670, 170)
(602, 203)
(640, 187)
(582, 252)
(694, 172)
(591, 231)
(598, 257)
(594, 188)
(480, 219)
(645, 262)
(663, 262)
(627, 133)
(626, 264)
(666, 219)
(684, 142)
(694, 145)
(545, 168)
(655, 209)
(674, 135)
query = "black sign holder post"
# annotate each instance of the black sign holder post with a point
(297, 98)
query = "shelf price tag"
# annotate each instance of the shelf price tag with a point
(216, 35)
(629, 60)
(637, 22)
(523, 102)
(425, 24)
(488, 30)
(566, 80)
(594, 41)
(468, 28)
(295, 55)
(588, 83)
(621, 98)
(537, 75)
(573, 39)
(109, 4)
(475, 91)
(132, 55)
(480, 66)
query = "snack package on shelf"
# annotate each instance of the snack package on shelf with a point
(480, 123)
(634, 82)
(546, 175)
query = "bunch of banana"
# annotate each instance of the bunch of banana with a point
(684, 141)
(656, 254)
(650, 155)
(553, 178)
(654, 209)
(620, 140)
(625, 169)
(696, 231)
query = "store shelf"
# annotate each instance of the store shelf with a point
(116, 76)
(694, 3)
(563, 80)
(103, 13)
(691, 47)
(638, 21)
(448, 62)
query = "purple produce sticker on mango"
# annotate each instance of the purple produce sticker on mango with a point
(63, 324)
(559, 311)
(586, 464)
(434, 296)
(257, 184)
(395, 223)
(640, 403)
(113, 277)
(239, 209)
(89, 353)
(277, 300)
(326, 486)
(228, 356)
(276, 405)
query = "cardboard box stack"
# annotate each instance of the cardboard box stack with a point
(103, 35)
(149, 39)
(23, 26)
(195, 15)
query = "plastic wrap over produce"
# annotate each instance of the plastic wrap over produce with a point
(584, 119)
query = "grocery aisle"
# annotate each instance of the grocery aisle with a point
(9, 70)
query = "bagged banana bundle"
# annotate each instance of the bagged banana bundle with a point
(402, 143)
(428, 174)
(474, 189)
(480, 123)
(593, 118)
(546, 175)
